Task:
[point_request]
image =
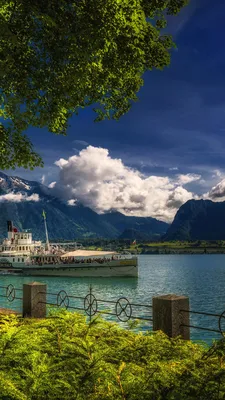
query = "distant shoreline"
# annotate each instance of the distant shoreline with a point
(179, 247)
(183, 251)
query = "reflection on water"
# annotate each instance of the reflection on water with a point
(201, 277)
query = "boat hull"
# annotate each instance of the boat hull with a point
(121, 268)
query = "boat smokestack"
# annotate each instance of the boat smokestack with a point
(10, 230)
(9, 226)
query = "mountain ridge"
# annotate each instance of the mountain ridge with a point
(64, 221)
(198, 220)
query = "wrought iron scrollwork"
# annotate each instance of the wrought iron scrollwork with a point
(10, 292)
(90, 304)
(63, 299)
(123, 309)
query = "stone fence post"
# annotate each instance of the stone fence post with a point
(34, 300)
(168, 317)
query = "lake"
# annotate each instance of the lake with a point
(201, 277)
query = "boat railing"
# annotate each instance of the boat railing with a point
(57, 259)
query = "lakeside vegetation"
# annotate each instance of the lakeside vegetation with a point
(156, 247)
(183, 247)
(64, 357)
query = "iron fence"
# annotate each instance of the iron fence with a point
(122, 308)
(220, 317)
(9, 292)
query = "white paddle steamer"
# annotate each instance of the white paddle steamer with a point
(20, 254)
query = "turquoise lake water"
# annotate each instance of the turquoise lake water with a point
(201, 277)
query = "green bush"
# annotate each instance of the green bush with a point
(64, 357)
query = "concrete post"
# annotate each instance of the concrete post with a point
(168, 317)
(34, 300)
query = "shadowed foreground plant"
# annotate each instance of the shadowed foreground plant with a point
(64, 357)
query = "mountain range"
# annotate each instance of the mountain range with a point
(195, 220)
(198, 220)
(65, 221)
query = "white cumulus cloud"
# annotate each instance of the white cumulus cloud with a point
(104, 183)
(217, 193)
(19, 197)
(184, 179)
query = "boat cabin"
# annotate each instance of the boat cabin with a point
(18, 241)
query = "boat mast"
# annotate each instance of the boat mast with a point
(46, 230)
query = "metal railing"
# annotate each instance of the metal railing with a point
(123, 309)
(219, 316)
(9, 292)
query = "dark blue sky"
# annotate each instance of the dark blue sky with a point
(179, 120)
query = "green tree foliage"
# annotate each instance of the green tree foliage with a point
(63, 357)
(58, 56)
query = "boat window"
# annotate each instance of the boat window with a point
(22, 260)
(18, 260)
(25, 236)
(21, 236)
(13, 259)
